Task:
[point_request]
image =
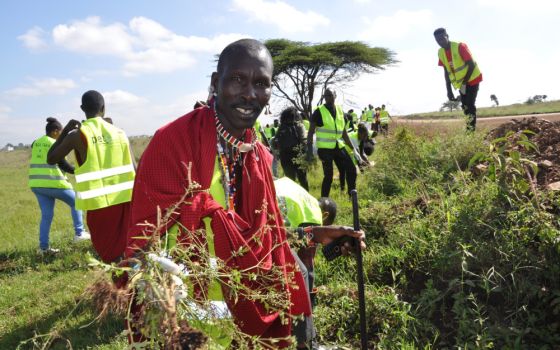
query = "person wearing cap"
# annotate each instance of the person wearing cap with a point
(49, 183)
(461, 72)
(104, 176)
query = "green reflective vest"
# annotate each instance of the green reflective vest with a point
(268, 132)
(297, 205)
(42, 174)
(384, 117)
(458, 69)
(330, 134)
(353, 135)
(107, 175)
(305, 124)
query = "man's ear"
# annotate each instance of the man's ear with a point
(214, 82)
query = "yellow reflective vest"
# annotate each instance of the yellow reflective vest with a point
(42, 174)
(297, 205)
(457, 69)
(330, 134)
(383, 117)
(107, 175)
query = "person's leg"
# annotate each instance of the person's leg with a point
(46, 203)
(68, 196)
(468, 102)
(343, 160)
(288, 165)
(342, 177)
(326, 156)
(302, 177)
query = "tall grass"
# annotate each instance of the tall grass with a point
(451, 263)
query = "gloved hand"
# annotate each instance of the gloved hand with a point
(463, 89)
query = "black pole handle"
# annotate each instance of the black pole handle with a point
(360, 270)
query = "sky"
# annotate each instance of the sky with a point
(153, 59)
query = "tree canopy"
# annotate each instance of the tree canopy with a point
(300, 68)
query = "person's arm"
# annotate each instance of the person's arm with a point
(327, 234)
(68, 140)
(450, 94)
(65, 166)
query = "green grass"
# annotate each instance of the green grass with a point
(453, 261)
(515, 109)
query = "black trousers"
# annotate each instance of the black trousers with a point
(468, 101)
(343, 161)
(291, 169)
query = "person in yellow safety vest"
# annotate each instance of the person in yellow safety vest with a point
(384, 118)
(104, 176)
(461, 71)
(49, 183)
(328, 121)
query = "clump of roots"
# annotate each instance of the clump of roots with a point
(107, 298)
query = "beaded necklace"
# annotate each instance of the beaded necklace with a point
(230, 159)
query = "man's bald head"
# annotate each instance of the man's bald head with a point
(250, 47)
(93, 104)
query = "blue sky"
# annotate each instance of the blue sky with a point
(152, 60)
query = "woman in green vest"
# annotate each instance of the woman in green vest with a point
(49, 183)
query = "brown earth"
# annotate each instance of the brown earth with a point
(546, 138)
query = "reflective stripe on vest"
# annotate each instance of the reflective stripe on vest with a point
(106, 177)
(330, 134)
(42, 174)
(296, 204)
(460, 68)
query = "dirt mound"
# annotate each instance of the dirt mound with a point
(547, 140)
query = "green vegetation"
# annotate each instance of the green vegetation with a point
(454, 260)
(515, 109)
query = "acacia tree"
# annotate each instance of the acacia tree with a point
(494, 99)
(300, 68)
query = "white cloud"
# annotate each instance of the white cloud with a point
(362, 1)
(91, 37)
(396, 26)
(4, 110)
(122, 98)
(33, 39)
(144, 45)
(47, 86)
(287, 18)
(523, 7)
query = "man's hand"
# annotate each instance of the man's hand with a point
(72, 125)
(327, 234)
(450, 96)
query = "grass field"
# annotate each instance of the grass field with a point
(453, 261)
(515, 109)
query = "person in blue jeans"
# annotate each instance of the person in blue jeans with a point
(49, 183)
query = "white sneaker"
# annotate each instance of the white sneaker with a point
(84, 236)
(49, 251)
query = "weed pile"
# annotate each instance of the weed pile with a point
(454, 259)
(546, 137)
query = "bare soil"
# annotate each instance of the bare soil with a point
(547, 139)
